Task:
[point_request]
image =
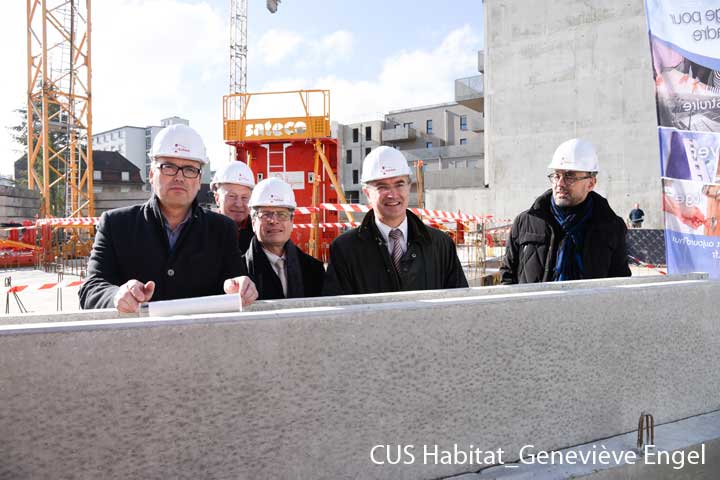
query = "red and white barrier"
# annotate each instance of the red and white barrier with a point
(42, 286)
(440, 215)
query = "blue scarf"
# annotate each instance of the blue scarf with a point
(569, 265)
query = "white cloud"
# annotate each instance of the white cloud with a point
(290, 49)
(276, 46)
(13, 91)
(408, 79)
(335, 46)
(151, 59)
(157, 58)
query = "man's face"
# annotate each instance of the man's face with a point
(272, 225)
(389, 199)
(175, 190)
(570, 188)
(233, 201)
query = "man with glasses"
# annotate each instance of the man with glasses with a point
(570, 232)
(232, 186)
(169, 247)
(392, 250)
(278, 267)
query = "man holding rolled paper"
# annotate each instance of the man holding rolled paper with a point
(168, 247)
(278, 267)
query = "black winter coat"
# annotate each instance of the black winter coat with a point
(131, 243)
(305, 273)
(360, 261)
(531, 254)
(245, 234)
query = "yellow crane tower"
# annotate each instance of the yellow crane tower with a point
(59, 101)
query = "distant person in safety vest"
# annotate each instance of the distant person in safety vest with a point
(278, 267)
(570, 232)
(392, 250)
(168, 247)
(232, 186)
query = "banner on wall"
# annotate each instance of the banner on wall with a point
(685, 48)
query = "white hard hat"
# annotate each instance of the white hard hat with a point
(273, 192)
(575, 154)
(179, 141)
(236, 172)
(384, 162)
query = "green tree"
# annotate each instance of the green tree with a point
(58, 139)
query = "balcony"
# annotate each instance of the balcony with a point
(469, 92)
(477, 124)
(398, 134)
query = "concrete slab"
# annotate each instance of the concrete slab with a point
(308, 392)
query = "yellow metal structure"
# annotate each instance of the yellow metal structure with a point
(59, 101)
(314, 123)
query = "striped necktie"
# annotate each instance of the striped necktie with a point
(397, 252)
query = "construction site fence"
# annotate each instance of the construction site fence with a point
(76, 266)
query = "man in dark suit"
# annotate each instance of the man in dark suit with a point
(278, 267)
(169, 247)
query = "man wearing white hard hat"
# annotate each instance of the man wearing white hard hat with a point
(276, 265)
(570, 232)
(169, 247)
(392, 250)
(232, 186)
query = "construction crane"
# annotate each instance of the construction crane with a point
(238, 43)
(59, 106)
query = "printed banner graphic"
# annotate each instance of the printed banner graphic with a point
(685, 48)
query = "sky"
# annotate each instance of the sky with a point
(153, 59)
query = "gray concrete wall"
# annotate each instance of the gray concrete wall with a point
(18, 204)
(452, 178)
(556, 70)
(108, 200)
(306, 393)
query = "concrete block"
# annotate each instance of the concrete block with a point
(307, 392)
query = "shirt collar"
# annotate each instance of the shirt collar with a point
(180, 225)
(272, 257)
(385, 229)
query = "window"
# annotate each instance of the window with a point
(125, 176)
(463, 141)
(260, 177)
(355, 177)
(97, 175)
(463, 122)
(428, 126)
(124, 189)
(148, 143)
(367, 150)
(368, 133)
(348, 156)
(409, 125)
(122, 133)
(97, 189)
(311, 177)
(356, 135)
(352, 196)
(428, 144)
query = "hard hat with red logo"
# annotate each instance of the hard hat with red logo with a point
(575, 154)
(272, 192)
(236, 172)
(384, 162)
(179, 141)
